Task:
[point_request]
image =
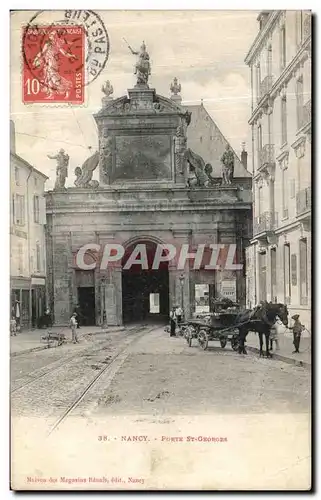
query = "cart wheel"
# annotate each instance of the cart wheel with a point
(223, 342)
(203, 339)
(235, 343)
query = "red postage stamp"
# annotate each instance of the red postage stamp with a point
(53, 64)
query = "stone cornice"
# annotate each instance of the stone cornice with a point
(281, 157)
(261, 36)
(75, 208)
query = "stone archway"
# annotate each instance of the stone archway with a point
(145, 291)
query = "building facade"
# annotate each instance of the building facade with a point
(27, 240)
(145, 197)
(279, 258)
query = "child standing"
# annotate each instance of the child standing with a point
(73, 326)
(297, 329)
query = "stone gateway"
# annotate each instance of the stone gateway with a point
(145, 196)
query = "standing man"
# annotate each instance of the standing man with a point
(179, 314)
(172, 316)
(73, 326)
(297, 329)
(78, 315)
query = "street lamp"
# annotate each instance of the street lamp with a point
(181, 279)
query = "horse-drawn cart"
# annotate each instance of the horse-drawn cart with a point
(218, 327)
(221, 326)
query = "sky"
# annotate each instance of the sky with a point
(205, 50)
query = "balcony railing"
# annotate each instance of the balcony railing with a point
(303, 201)
(267, 155)
(266, 85)
(266, 222)
(307, 27)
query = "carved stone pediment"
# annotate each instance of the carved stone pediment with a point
(144, 101)
(283, 159)
(299, 146)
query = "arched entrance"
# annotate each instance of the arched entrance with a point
(145, 292)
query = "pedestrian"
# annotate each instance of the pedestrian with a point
(172, 316)
(47, 319)
(179, 314)
(13, 326)
(18, 316)
(274, 334)
(73, 326)
(78, 315)
(297, 329)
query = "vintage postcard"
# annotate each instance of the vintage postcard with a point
(160, 232)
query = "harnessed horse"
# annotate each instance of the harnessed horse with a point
(260, 320)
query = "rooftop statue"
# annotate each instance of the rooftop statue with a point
(175, 87)
(199, 173)
(84, 174)
(227, 160)
(142, 66)
(61, 169)
(107, 89)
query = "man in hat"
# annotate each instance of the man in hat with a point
(172, 316)
(73, 326)
(297, 329)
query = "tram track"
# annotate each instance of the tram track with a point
(121, 352)
(65, 361)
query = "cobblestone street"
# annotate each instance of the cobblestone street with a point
(141, 385)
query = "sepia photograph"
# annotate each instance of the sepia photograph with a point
(160, 250)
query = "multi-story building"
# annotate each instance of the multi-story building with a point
(27, 239)
(279, 258)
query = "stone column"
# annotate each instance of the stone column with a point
(62, 278)
(176, 289)
(113, 297)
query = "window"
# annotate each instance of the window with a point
(285, 192)
(273, 275)
(303, 249)
(269, 61)
(283, 47)
(154, 303)
(292, 188)
(287, 274)
(284, 120)
(299, 102)
(13, 209)
(258, 81)
(36, 182)
(259, 144)
(299, 27)
(20, 258)
(20, 210)
(260, 200)
(38, 257)
(262, 276)
(202, 298)
(36, 209)
(16, 176)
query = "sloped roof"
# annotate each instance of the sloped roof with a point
(205, 138)
(24, 162)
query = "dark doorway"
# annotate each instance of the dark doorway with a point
(86, 301)
(137, 286)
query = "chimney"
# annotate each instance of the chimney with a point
(12, 137)
(244, 156)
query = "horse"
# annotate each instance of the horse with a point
(260, 320)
